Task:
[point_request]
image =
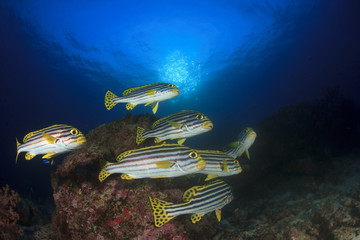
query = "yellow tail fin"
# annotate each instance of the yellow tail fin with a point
(109, 96)
(17, 149)
(139, 135)
(103, 173)
(160, 215)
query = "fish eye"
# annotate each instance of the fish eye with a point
(74, 131)
(199, 117)
(193, 154)
(236, 162)
(171, 85)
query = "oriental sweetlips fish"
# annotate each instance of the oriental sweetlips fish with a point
(147, 94)
(198, 201)
(50, 141)
(180, 125)
(244, 141)
(160, 161)
(218, 164)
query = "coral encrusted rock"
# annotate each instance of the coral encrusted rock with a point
(117, 209)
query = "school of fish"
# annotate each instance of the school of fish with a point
(163, 160)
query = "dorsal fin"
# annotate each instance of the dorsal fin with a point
(127, 91)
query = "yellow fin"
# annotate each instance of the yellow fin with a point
(164, 164)
(103, 174)
(148, 103)
(17, 150)
(50, 139)
(190, 193)
(181, 141)
(127, 91)
(139, 135)
(218, 214)
(159, 208)
(196, 217)
(126, 176)
(150, 92)
(49, 155)
(130, 106)
(240, 153)
(155, 106)
(109, 96)
(175, 124)
(29, 156)
(157, 140)
(247, 154)
(201, 164)
(27, 136)
(225, 166)
(122, 155)
(211, 176)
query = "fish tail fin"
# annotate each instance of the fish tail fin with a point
(17, 150)
(109, 103)
(140, 135)
(160, 215)
(103, 173)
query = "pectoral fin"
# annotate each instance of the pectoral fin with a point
(164, 164)
(232, 145)
(218, 214)
(155, 106)
(50, 139)
(181, 141)
(150, 92)
(247, 154)
(211, 176)
(175, 124)
(49, 155)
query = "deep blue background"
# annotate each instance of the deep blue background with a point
(245, 60)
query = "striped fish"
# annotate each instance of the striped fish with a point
(180, 125)
(198, 201)
(50, 141)
(245, 139)
(160, 161)
(147, 94)
(218, 164)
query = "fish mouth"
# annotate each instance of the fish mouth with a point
(207, 125)
(252, 135)
(81, 140)
(175, 90)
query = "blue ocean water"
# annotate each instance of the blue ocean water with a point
(236, 61)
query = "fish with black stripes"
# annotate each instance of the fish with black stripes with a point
(198, 201)
(147, 94)
(51, 141)
(218, 164)
(244, 141)
(160, 161)
(180, 125)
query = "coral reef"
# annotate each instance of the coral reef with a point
(306, 208)
(9, 217)
(116, 208)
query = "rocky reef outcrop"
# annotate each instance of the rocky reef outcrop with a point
(116, 208)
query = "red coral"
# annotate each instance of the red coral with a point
(118, 219)
(8, 216)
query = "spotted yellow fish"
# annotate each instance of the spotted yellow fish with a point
(198, 201)
(160, 161)
(244, 141)
(147, 94)
(180, 125)
(50, 141)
